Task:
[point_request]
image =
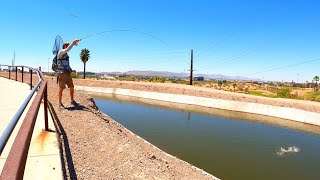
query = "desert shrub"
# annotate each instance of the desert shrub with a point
(246, 90)
(225, 82)
(184, 82)
(157, 79)
(73, 75)
(273, 89)
(313, 96)
(240, 87)
(197, 83)
(284, 93)
(51, 74)
(128, 78)
(162, 80)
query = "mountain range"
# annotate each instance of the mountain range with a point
(180, 75)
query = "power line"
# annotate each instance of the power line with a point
(169, 51)
(241, 58)
(283, 67)
(214, 45)
(235, 58)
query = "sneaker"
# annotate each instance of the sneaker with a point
(74, 103)
(61, 106)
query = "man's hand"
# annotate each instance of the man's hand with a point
(75, 42)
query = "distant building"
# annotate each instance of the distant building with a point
(105, 76)
(198, 78)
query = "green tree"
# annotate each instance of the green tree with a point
(84, 56)
(316, 79)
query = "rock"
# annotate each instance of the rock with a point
(152, 157)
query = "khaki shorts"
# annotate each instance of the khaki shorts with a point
(65, 79)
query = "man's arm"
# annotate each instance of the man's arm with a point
(64, 51)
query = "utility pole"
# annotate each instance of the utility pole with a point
(14, 58)
(191, 67)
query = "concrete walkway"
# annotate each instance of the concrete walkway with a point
(43, 158)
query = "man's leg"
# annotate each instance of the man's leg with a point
(60, 95)
(72, 93)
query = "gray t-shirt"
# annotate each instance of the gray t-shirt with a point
(64, 51)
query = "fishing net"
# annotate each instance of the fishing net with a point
(58, 42)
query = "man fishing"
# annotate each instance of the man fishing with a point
(62, 65)
(64, 70)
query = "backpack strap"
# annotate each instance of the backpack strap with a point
(63, 64)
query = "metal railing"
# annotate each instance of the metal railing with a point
(16, 160)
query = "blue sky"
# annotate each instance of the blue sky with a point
(245, 38)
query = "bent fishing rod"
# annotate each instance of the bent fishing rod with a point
(123, 30)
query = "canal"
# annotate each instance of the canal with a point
(229, 145)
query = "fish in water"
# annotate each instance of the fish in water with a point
(287, 150)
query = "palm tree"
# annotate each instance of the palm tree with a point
(84, 56)
(316, 79)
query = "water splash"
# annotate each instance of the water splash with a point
(288, 150)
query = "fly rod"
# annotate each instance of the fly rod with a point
(123, 30)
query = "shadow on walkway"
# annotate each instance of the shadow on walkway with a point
(65, 153)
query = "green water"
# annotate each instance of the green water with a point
(227, 144)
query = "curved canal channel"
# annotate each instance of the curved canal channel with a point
(229, 145)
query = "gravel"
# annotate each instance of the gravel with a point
(94, 146)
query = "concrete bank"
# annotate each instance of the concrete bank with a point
(255, 108)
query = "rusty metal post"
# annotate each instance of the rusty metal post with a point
(9, 71)
(22, 74)
(45, 106)
(30, 79)
(16, 73)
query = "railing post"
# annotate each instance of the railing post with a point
(9, 71)
(45, 106)
(16, 73)
(30, 79)
(22, 74)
